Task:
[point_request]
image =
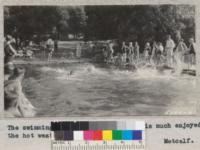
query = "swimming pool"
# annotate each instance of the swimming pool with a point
(85, 89)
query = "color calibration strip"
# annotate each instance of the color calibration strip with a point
(99, 130)
(98, 135)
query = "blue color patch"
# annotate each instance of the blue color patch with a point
(127, 134)
(137, 135)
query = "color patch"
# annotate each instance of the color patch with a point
(139, 125)
(107, 134)
(97, 135)
(75, 126)
(65, 126)
(88, 135)
(116, 134)
(59, 135)
(68, 135)
(78, 135)
(84, 126)
(121, 125)
(55, 126)
(127, 135)
(130, 125)
(92, 125)
(137, 135)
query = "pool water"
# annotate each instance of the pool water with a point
(84, 89)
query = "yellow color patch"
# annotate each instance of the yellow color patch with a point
(107, 134)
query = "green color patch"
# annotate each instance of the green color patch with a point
(117, 134)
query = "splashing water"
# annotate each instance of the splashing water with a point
(94, 90)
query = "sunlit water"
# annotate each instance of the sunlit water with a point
(83, 89)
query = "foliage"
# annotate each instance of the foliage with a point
(40, 20)
(29, 21)
(141, 23)
(123, 23)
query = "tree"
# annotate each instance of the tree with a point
(63, 25)
(30, 20)
(144, 23)
(77, 20)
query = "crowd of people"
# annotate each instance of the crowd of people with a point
(26, 49)
(170, 53)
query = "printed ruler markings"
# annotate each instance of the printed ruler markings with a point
(100, 146)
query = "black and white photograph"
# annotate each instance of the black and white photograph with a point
(100, 60)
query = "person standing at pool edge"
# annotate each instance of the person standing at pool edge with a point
(124, 49)
(78, 50)
(137, 51)
(50, 48)
(159, 54)
(9, 49)
(192, 52)
(169, 47)
(9, 54)
(130, 52)
(110, 52)
(179, 52)
(146, 53)
(153, 53)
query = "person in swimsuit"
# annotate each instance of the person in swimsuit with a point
(78, 50)
(169, 48)
(179, 55)
(50, 48)
(137, 52)
(9, 49)
(110, 52)
(192, 51)
(124, 50)
(130, 52)
(153, 53)
(146, 53)
(159, 53)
